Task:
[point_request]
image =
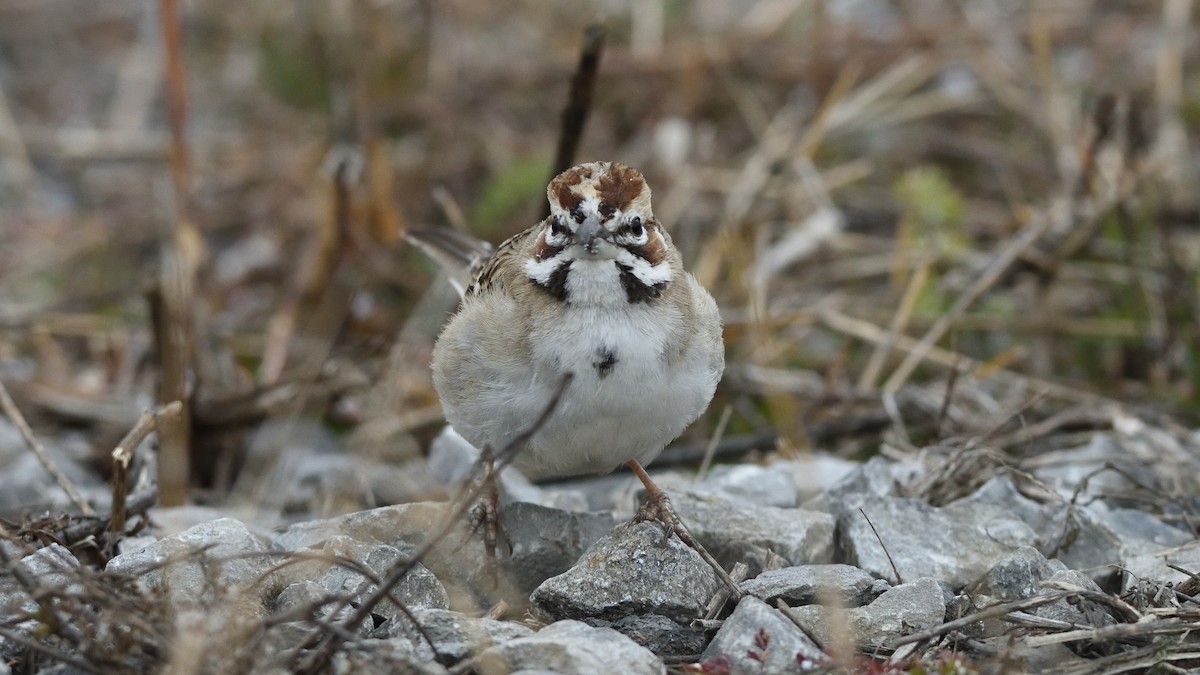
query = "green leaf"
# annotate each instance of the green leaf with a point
(523, 182)
(933, 209)
(292, 72)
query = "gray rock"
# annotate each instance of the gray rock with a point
(1080, 611)
(299, 466)
(205, 564)
(1020, 575)
(280, 642)
(418, 588)
(752, 484)
(610, 492)
(1018, 657)
(382, 656)
(452, 458)
(639, 568)
(734, 532)
(1065, 470)
(844, 585)
(1087, 537)
(52, 567)
(1152, 566)
(298, 596)
(459, 561)
(905, 609)
(169, 520)
(457, 636)
(1078, 535)
(571, 648)
(26, 486)
(815, 473)
(545, 542)
(1120, 535)
(878, 476)
(956, 543)
(661, 635)
(1079, 538)
(757, 638)
(999, 492)
(1137, 531)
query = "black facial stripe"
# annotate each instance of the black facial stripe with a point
(558, 227)
(639, 252)
(635, 289)
(606, 359)
(556, 286)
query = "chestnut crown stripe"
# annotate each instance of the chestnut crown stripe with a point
(617, 186)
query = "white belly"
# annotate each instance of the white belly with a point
(627, 399)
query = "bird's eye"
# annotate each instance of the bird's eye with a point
(635, 227)
(577, 214)
(558, 227)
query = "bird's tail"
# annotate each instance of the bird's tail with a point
(458, 255)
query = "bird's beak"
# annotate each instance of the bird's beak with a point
(589, 231)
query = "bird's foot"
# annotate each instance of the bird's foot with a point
(658, 507)
(485, 516)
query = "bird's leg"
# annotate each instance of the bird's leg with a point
(658, 507)
(485, 515)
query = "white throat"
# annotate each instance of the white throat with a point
(601, 281)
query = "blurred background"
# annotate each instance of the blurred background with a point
(922, 219)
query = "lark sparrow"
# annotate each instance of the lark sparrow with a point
(598, 290)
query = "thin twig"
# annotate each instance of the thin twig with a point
(173, 301)
(169, 25)
(882, 545)
(138, 502)
(947, 399)
(987, 613)
(18, 420)
(718, 600)
(1120, 631)
(908, 302)
(122, 455)
(171, 423)
(865, 330)
(795, 619)
(711, 449)
(580, 101)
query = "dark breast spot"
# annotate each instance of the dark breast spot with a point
(635, 289)
(606, 360)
